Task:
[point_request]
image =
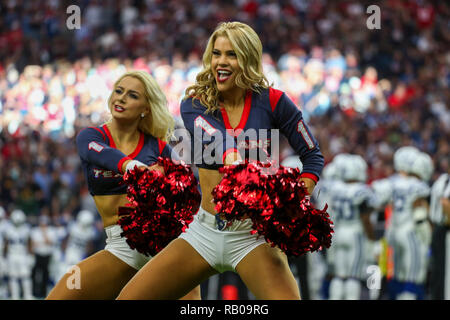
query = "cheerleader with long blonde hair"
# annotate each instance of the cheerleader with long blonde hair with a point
(135, 135)
(231, 95)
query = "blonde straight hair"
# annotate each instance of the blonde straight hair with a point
(159, 123)
(248, 48)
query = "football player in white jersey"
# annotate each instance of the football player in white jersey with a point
(55, 268)
(330, 179)
(403, 159)
(19, 256)
(81, 233)
(352, 204)
(409, 232)
(411, 228)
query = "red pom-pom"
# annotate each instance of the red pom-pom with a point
(278, 204)
(161, 205)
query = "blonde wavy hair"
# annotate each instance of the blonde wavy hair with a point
(248, 48)
(159, 123)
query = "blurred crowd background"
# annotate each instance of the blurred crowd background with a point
(362, 91)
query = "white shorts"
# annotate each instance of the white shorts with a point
(223, 250)
(119, 247)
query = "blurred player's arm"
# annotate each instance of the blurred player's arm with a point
(65, 242)
(420, 210)
(30, 246)
(374, 246)
(5, 247)
(365, 213)
(422, 220)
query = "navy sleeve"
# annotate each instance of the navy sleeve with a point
(208, 134)
(168, 152)
(290, 121)
(93, 149)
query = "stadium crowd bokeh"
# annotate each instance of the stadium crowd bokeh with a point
(362, 91)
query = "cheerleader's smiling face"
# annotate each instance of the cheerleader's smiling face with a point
(224, 64)
(128, 100)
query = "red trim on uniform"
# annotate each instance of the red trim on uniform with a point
(161, 145)
(108, 133)
(244, 117)
(138, 147)
(98, 129)
(119, 166)
(274, 97)
(227, 152)
(226, 121)
(136, 151)
(311, 176)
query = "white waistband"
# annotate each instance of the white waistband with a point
(207, 218)
(113, 231)
(214, 222)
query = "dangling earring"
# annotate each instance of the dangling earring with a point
(142, 115)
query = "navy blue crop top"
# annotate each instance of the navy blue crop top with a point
(102, 162)
(212, 133)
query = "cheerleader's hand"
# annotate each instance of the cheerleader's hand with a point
(131, 164)
(156, 167)
(309, 184)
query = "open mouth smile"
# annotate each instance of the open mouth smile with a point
(223, 75)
